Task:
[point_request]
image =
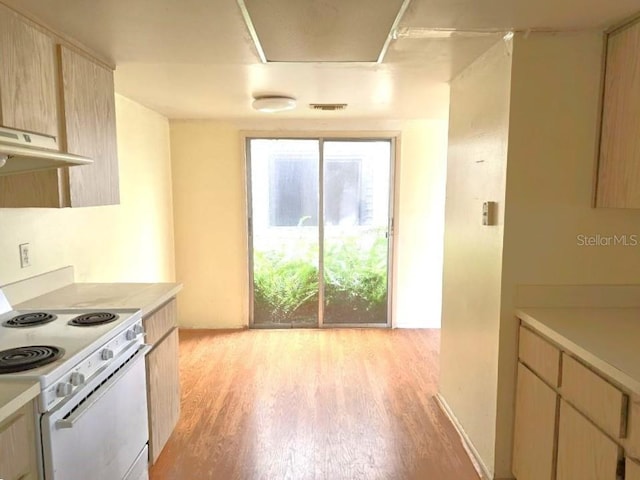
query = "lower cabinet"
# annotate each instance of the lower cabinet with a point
(164, 392)
(535, 425)
(163, 377)
(584, 452)
(18, 446)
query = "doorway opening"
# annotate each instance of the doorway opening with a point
(320, 218)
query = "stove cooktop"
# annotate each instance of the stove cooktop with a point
(29, 320)
(20, 359)
(73, 334)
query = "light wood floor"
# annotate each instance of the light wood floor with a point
(311, 404)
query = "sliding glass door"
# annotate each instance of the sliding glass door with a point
(319, 224)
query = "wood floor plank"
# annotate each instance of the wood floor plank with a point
(344, 404)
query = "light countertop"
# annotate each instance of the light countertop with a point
(145, 296)
(14, 395)
(606, 338)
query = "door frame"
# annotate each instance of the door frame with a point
(321, 136)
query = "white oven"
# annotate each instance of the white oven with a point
(100, 432)
(91, 415)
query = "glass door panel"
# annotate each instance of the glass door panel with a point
(356, 182)
(284, 233)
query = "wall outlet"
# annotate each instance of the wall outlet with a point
(25, 256)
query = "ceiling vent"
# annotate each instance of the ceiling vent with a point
(328, 107)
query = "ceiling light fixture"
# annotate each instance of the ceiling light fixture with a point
(274, 104)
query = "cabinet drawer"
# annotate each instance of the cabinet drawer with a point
(599, 400)
(160, 322)
(584, 452)
(540, 356)
(632, 470)
(15, 448)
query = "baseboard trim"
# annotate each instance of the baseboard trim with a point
(477, 461)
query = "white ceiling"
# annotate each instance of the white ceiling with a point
(317, 31)
(196, 59)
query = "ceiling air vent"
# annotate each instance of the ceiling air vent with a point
(328, 107)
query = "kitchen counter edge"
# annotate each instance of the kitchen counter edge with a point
(535, 319)
(16, 394)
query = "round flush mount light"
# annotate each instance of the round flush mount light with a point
(273, 104)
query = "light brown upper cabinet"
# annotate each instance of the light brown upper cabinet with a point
(50, 87)
(28, 97)
(90, 124)
(618, 184)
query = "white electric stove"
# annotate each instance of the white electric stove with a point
(90, 366)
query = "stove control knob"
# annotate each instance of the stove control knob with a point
(76, 379)
(106, 354)
(64, 389)
(134, 332)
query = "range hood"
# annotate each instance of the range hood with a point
(22, 152)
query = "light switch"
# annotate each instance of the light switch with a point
(489, 213)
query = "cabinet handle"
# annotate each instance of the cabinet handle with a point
(624, 416)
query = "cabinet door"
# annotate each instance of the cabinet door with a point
(89, 112)
(163, 379)
(535, 425)
(632, 470)
(28, 98)
(18, 446)
(619, 166)
(28, 101)
(584, 452)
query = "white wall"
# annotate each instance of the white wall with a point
(132, 241)
(476, 172)
(211, 220)
(421, 194)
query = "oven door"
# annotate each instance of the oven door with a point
(101, 435)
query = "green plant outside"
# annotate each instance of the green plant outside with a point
(355, 273)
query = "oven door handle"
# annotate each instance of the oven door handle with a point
(72, 419)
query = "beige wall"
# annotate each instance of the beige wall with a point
(132, 241)
(210, 217)
(476, 172)
(552, 142)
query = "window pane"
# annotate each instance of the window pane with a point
(284, 192)
(356, 213)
